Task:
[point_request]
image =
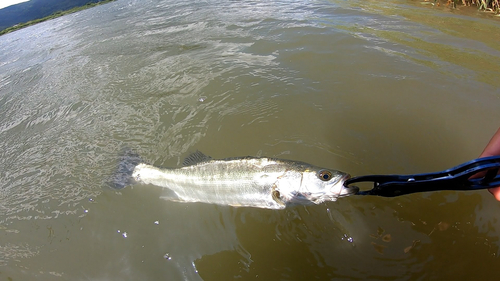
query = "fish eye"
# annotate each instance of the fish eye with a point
(324, 175)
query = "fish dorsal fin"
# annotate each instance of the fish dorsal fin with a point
(196, 158)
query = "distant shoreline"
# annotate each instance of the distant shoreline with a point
(52, 16)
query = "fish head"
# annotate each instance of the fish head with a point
(315, 186)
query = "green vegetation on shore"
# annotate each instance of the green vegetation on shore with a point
(53, 16)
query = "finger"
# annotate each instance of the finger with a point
(496, 192)
(493, 147)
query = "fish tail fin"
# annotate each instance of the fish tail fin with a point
(123, 174)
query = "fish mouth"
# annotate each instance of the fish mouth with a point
(347, 190)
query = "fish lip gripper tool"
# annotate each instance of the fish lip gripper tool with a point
(476, 174)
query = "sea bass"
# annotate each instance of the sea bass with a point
(245, 181)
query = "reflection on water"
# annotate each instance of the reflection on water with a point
(360, 86)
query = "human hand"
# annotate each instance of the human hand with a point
(493, 149)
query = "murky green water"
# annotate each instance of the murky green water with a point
(360, 86)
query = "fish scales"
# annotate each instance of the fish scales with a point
(220, 181)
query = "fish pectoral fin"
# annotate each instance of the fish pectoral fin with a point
(170, 195)
(196, 158)
(275, 194)
(318, 201)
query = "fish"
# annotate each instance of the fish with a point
(259, 182)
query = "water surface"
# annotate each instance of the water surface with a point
(360, 86)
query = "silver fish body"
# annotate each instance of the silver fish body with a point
(253, 182)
